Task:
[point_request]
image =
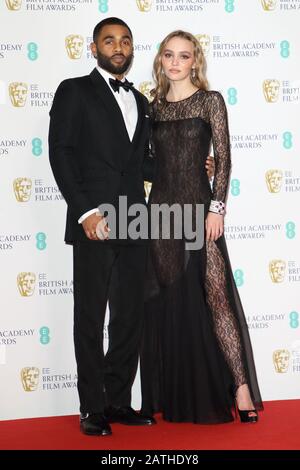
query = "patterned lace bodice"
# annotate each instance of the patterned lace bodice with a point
(182, 133)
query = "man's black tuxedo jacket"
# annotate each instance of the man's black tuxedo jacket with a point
(91, 155)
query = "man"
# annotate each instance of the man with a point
(98, 133)
(97, 140)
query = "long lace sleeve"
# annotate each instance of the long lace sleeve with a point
(221, 145)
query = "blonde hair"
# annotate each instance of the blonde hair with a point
(198, 78)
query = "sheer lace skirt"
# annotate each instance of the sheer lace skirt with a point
(196, 349)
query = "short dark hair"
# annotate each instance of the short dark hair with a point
(105, 22)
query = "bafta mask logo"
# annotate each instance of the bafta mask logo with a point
(22, 189)
(144, 5)
(274, 180)
(18, 93)
(204, 41)
(145, 88)
(281, 359)
(277, 270)
(271, 89)
(30, 378)
(26, 284)
(74, 46)
(13, 5)
(269, 5)
(147, 188)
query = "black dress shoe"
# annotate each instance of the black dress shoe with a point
(94, 424)
(126, 415)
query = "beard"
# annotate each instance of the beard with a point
(105, 63)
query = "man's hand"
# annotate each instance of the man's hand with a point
(210, 167)
(214, 225)
(90, 224)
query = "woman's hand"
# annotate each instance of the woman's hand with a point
(214, 225)
(102, 229)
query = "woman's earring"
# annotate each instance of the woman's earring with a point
(193, 73)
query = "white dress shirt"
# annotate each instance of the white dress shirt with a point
(127, 103)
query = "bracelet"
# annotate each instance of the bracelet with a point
(218, 207)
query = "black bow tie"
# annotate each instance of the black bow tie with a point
(116, 84)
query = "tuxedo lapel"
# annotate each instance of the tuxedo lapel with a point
(141, 113)
(139, 125)
(110, 103)
(107, 99)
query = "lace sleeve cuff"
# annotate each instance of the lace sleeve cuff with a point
(218, 207)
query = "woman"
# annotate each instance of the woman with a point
(196, 356)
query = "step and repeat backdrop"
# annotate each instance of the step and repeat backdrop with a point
(252, 50)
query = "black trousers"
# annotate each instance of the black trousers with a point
(102, 273)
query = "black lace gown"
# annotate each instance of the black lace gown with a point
(195, 348)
